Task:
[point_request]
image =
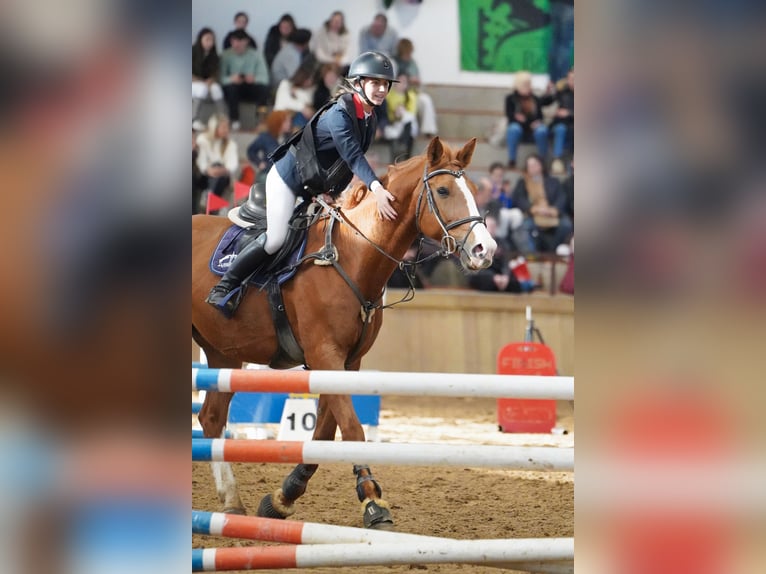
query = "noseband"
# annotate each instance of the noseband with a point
(448, 242)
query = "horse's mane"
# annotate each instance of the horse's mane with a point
(354, 196)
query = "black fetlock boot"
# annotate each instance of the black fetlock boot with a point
(221, 296)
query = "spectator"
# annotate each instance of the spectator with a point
(501, 191)
(244, 75)
(508, 217)
(563, 122)
(498, 276)
(541, 199)
(400, 126)
(205, 68)
(291, 56)
(378, 37)
(297, 95)
(562, 38)
(199, 179)
(331, 41)
(407, 65)
(525, 117)
(278, 126)
(568, 187)
(241, 20)
(484, 201)
(326, 84)
(277, 37)
(218, 156)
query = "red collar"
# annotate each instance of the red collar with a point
(359, 107)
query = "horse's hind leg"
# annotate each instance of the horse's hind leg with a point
(212, 417)
(281, 503)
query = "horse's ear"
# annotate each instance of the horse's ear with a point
(464, 155)
(435, 151)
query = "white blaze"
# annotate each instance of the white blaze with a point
(480, 233)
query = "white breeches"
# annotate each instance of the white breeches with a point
(427, 114)
(200, 91)
(280, 203)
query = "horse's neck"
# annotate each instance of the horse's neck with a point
(372, 269)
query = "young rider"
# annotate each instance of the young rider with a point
(323, 160)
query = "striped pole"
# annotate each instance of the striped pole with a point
(366, 554)
(383, 383)
(295, 532)
(321, 452)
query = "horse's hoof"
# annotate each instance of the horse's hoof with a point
(376, 515)
(270, 508)
(235, 510)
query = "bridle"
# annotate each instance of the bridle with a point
(328, 255)
(448, 242)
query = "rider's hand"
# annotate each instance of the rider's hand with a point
(384, 199)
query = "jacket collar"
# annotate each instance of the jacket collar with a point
(359, 107)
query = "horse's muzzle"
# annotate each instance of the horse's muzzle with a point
(479, 255)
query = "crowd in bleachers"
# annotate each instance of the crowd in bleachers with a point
(297, 69)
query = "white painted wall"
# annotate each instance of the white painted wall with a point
(432, 26)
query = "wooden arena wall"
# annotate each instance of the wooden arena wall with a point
(460, 331)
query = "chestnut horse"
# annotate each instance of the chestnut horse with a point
(433, 197)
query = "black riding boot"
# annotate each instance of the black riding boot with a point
(244, 264)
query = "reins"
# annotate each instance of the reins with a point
(328, 255)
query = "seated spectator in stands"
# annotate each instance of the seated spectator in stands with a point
(407, 65)
(294, 53)
(327, 77)
(568, 187)
(400, 125)
(218, 155)
(562, 125)
(244, 76)
(297, 95)
(199, 179)
(498, 276)
(241, 20)
(543, 203)
(330, 42)
(278, 126)
(501, 191)
(277, 37)
(524, 111)
(205, 69)
(378, 36)
(509, 218)
(486, 204)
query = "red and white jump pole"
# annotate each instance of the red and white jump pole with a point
(368, 554)
(296, 532)
(322, 452)
(383, 383)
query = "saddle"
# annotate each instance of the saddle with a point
(278, 269)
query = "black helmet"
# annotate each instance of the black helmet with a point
(373, 65)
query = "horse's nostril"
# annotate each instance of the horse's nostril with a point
(478, 251)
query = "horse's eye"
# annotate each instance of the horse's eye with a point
(443, 191)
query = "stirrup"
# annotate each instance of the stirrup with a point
(224, 300)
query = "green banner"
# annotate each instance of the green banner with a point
(504, 35)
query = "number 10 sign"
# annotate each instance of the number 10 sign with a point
(299, 418)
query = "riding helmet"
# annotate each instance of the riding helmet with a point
(373, 65)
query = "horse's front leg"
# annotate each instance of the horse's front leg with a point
(281, 503)
(375, 511)
(212, 417)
